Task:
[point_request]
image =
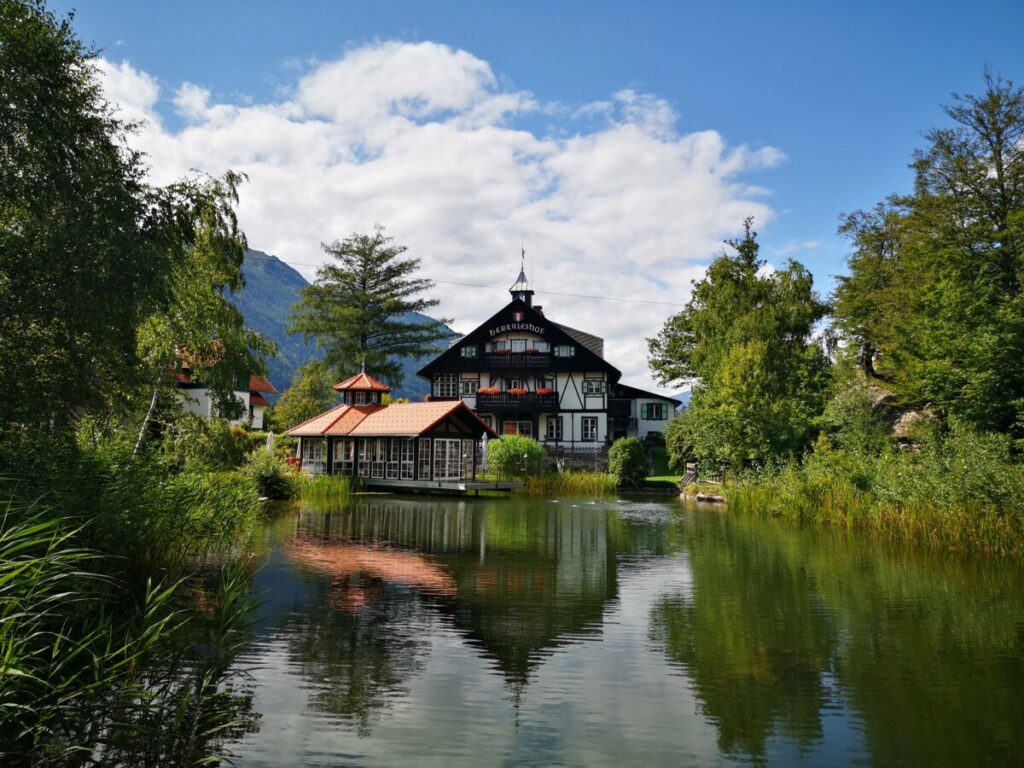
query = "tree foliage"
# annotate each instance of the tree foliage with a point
(310, 393)
(934, 296)
(101, 275)
(515, 456)
(745, 341)
(627, 461)
(356, 310)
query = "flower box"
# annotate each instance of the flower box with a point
(488, 391)
(545, 391)
(518, 391)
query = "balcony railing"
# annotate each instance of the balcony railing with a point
(517, 360)
(508, 400)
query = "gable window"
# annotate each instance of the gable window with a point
(554, 428)
(518, 345)
(470, 350)
(446, 385)
(654, 411)
(593, 386)
(565, 350)
(588, 426)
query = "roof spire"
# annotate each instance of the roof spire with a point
(520, 289)
(362, 365)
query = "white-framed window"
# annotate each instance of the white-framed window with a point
(446, 385)
(565, 350)
(593, 386)
(408, 458)
(364, 457)
(469, 386)
(470, 350)
(654, 411)
(518, 345)
(344, 456)
(424, 460)
(554, 428)
(314, 455)
(487, 419)
(588, 426)
(540, 346)
(360, 398)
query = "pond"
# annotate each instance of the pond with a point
(412, 632)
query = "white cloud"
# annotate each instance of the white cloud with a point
(612, 200)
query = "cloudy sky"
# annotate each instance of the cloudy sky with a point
(619, 146)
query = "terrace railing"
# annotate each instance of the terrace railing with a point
(485, 402)
(518, 360)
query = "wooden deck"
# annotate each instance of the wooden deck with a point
(453, 487)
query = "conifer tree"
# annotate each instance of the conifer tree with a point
(358, 309)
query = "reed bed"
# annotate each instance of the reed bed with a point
(964, 494)
(585, 485)
(326, 490)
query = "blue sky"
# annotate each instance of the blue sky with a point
(837, 95)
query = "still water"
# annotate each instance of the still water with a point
(416, 632)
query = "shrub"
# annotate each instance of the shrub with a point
(197, 443)
(515, 456)
(627, 460)
(273, 475)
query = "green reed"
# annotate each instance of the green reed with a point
(326, 490)
(584, 485)
(962, 493)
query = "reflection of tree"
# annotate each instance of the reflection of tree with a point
(527, 577)
(752, 637)
(357, 654)
(933, 653)
(928, 651)
(355, 647)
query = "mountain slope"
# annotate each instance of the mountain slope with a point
(271, 290)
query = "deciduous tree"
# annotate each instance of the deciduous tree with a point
(745, 342)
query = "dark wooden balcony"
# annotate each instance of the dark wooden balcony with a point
(518, 360)
(506, 401)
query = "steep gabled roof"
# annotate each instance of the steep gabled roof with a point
(255, 398)
(260, 384)
(364, 382)
(586, 360)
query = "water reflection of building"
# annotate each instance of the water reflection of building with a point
(517, 583)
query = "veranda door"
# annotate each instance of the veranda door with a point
(447, 459)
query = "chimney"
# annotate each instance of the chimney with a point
(540, 310)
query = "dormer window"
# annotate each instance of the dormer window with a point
(470, 351)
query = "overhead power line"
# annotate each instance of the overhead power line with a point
(496, 287)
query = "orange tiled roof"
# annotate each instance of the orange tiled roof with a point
(260, 384)
(256, 398)
(339, 417)
(405, 419)
(362, 381)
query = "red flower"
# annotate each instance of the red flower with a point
(545, 391)
(518, 391)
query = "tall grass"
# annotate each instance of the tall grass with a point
(959, 492)
(115, 635)
(89, 675)
(326, 490)
(586, 485)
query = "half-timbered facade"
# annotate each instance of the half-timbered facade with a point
(522, 373)
(365, 438)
